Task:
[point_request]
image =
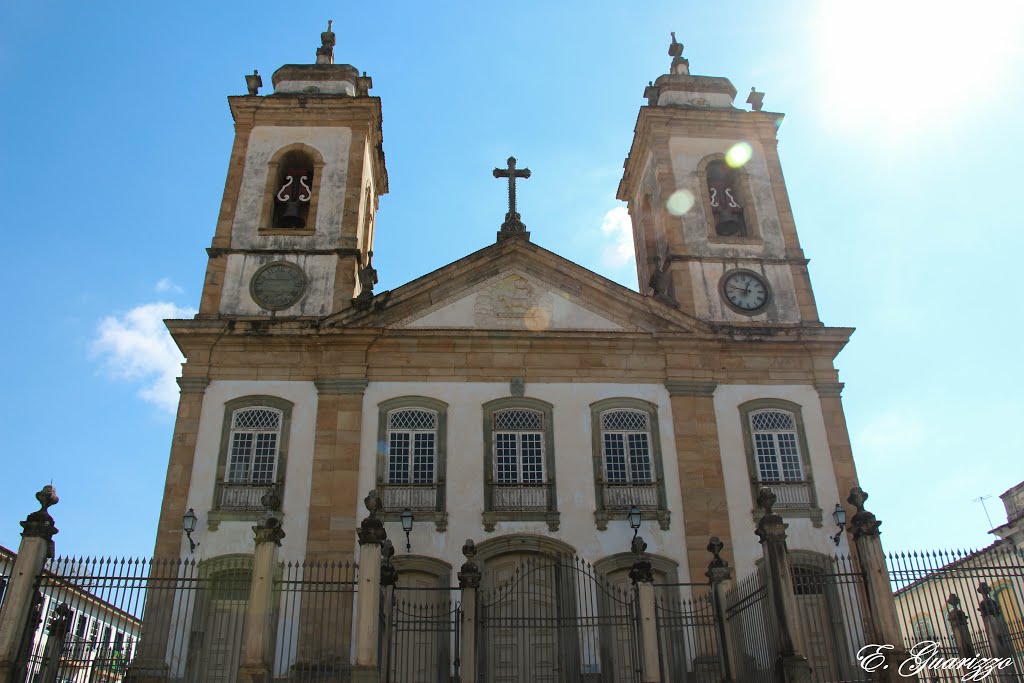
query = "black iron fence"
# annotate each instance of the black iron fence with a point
(421, 634)
(832, 614)
(687, 633)
(556, 619)
(316, 601)
(752, 628)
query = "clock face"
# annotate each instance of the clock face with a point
(745, 291)
(278, 285)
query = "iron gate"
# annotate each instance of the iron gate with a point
(688, 640)
(420, 635)
(558, 619)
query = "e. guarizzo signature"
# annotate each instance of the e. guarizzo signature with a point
(924, 658)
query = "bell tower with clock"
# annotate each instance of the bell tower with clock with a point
(712, 225)
(294, 236)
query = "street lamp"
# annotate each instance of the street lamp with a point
(635, 517)
(188, 525)
(839, 516)
(407, 519)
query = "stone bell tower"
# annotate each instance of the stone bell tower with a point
(712, 224)
(295, 232)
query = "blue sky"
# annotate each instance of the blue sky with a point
(901, 147)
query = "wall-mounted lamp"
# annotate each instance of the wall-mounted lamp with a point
(188, 525)
(839, 516)
(407, 520)
(635, 517)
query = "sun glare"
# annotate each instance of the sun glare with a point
(907, 63)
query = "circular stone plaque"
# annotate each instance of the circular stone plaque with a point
(277, 285)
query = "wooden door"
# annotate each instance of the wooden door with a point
(422, 630)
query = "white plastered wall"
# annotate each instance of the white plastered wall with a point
(802, 534)
(237, 536)
(574, 469)
(317, 299)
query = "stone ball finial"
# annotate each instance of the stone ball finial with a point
(47, 497)
(765, 500)
(715, 547)
(387, 550)
(639, 545)
(953, 601)
(984, 589)
(271, 500)
(469, 549)
(857, 498)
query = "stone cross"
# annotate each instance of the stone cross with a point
(512, 222)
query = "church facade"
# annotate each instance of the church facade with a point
(512, 397)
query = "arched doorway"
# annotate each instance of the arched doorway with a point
(421, 622)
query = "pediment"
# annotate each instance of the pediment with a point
(516, 286)
(515, 300)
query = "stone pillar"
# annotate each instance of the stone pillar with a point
(792, 665)
(643, 580)
(367, 628)
(469, 583)
(705, 508)
(960, 627)
(719, 574)
(997, 631)
(881, 603)
(258, 636)
(36, 546)
(388, 578)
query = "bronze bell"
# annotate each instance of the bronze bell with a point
(292, 216)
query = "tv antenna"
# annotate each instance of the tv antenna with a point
(982, 499)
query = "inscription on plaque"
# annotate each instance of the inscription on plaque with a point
(278, 285)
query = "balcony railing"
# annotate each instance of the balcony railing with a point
(414, 497)
(625, 496)
(789, 494)
(520, 497)
(241, 496)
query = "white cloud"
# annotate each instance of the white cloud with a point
(137, 347)
(166, 284)
(618, 229)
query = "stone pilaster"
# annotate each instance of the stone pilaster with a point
(334, 496)
(36, 546)
(719, 575)
(179, 467)
(642, 576)
(791, 664)
(701, 479)
(830, 396)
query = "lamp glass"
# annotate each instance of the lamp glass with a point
(839, 515)
(407, 520)
(635, 517)
(188, 522)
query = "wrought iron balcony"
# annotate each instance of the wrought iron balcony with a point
(412, 496)
(520, 497)
(241, 496)
(624, 496)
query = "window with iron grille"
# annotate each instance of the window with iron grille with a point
(518, 447)
(775, 446)
(626, 444)
(412, 446)
(254, 440)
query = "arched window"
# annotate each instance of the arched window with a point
(411, 458)
(627, 459)
(776, 448)
(293, 191)
(519, 463)
(923, 629)
(252, 456)
(723, 193)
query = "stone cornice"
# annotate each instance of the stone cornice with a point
(340, 386)
(193, 385)
(215, 252)
(678, 387)
(829, 389)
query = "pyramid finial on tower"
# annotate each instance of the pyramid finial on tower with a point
(325, 53)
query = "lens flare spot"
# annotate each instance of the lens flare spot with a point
(537, 319)
(679, 202)
(738, 155)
